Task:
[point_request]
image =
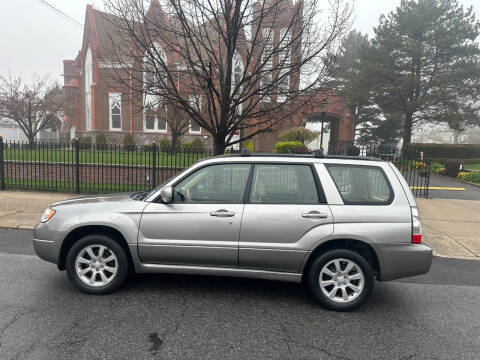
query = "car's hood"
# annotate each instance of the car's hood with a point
(95, 199)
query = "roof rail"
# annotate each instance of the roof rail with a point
(245, 152)
(315, 154)
(318, 153)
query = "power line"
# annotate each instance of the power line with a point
(61, 13)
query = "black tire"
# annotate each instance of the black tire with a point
(313, 280)
(113, 246)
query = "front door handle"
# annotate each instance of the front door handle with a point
(314, 215)
(222, 213)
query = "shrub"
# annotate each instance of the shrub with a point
(85, 142)
(448, 151)
(435, 166)
(300, 149)
(249, 145)
(299, 134)
(285, 147)
(197, 145)
(473, 177)
(441, 171)
(187, 147)
(164, 145)
(128, 143)
(452, 167)
(101, 141)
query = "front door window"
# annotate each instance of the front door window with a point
(222, 184)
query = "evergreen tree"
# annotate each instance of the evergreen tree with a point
(350, 80)
(424, 63)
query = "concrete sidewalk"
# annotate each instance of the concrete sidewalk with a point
(23, 209)
(451, 227)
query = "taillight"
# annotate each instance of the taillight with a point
(416, 226)
(416, 239)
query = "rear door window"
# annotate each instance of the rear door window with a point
(283, 184)
(360, 184)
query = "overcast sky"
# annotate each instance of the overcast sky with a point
(35, 39)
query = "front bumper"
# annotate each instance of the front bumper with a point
(45, 249)
(403, 260)
(45, 243)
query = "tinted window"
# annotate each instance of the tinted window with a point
(361, 184)
(283, 184)
(214, 184)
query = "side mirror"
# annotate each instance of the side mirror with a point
(166, 194)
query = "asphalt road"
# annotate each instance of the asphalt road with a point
(471, 192)
(436, 316)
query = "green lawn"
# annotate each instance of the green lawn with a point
(472, 166)
(103, 157)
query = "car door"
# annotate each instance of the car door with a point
(201, 225)
(285, 214)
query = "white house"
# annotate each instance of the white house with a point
(10, 131)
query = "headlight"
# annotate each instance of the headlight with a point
(47, 215)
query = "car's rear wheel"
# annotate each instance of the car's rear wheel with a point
(97, 264)
(340, 279)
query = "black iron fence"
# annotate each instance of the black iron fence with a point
(89, 168)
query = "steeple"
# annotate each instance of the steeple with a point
(155, 12)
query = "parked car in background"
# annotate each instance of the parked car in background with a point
(336, 223)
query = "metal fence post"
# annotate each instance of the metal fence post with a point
(2, 166)
(77, 165)
(154, 164)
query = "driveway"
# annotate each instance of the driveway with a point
(194, 317)
(471, 192)
(451, 227)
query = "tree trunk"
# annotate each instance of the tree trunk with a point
(219, 145)
(173, 143)
(407, 130)
(31, 141)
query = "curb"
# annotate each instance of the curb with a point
(18, 227)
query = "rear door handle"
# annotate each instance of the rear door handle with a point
(314, 215)
(222, 213)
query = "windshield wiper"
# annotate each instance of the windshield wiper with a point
(139, 195)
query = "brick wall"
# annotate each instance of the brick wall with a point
(93, 174)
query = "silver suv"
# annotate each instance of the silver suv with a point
(335, 223)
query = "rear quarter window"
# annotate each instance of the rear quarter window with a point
(361, 185)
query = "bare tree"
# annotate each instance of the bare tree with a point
(250, 64)
(175, 118)
(33, 106)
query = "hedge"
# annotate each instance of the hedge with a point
(462, 161)
(473, 177)
(448, 151)
(286, 147)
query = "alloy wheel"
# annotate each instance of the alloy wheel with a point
(96, 265)
(341, 280)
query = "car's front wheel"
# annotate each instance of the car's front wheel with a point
(97, 264)
(341, 279)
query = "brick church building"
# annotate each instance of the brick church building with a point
(100, 104)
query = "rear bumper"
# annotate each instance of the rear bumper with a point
(403, 260)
